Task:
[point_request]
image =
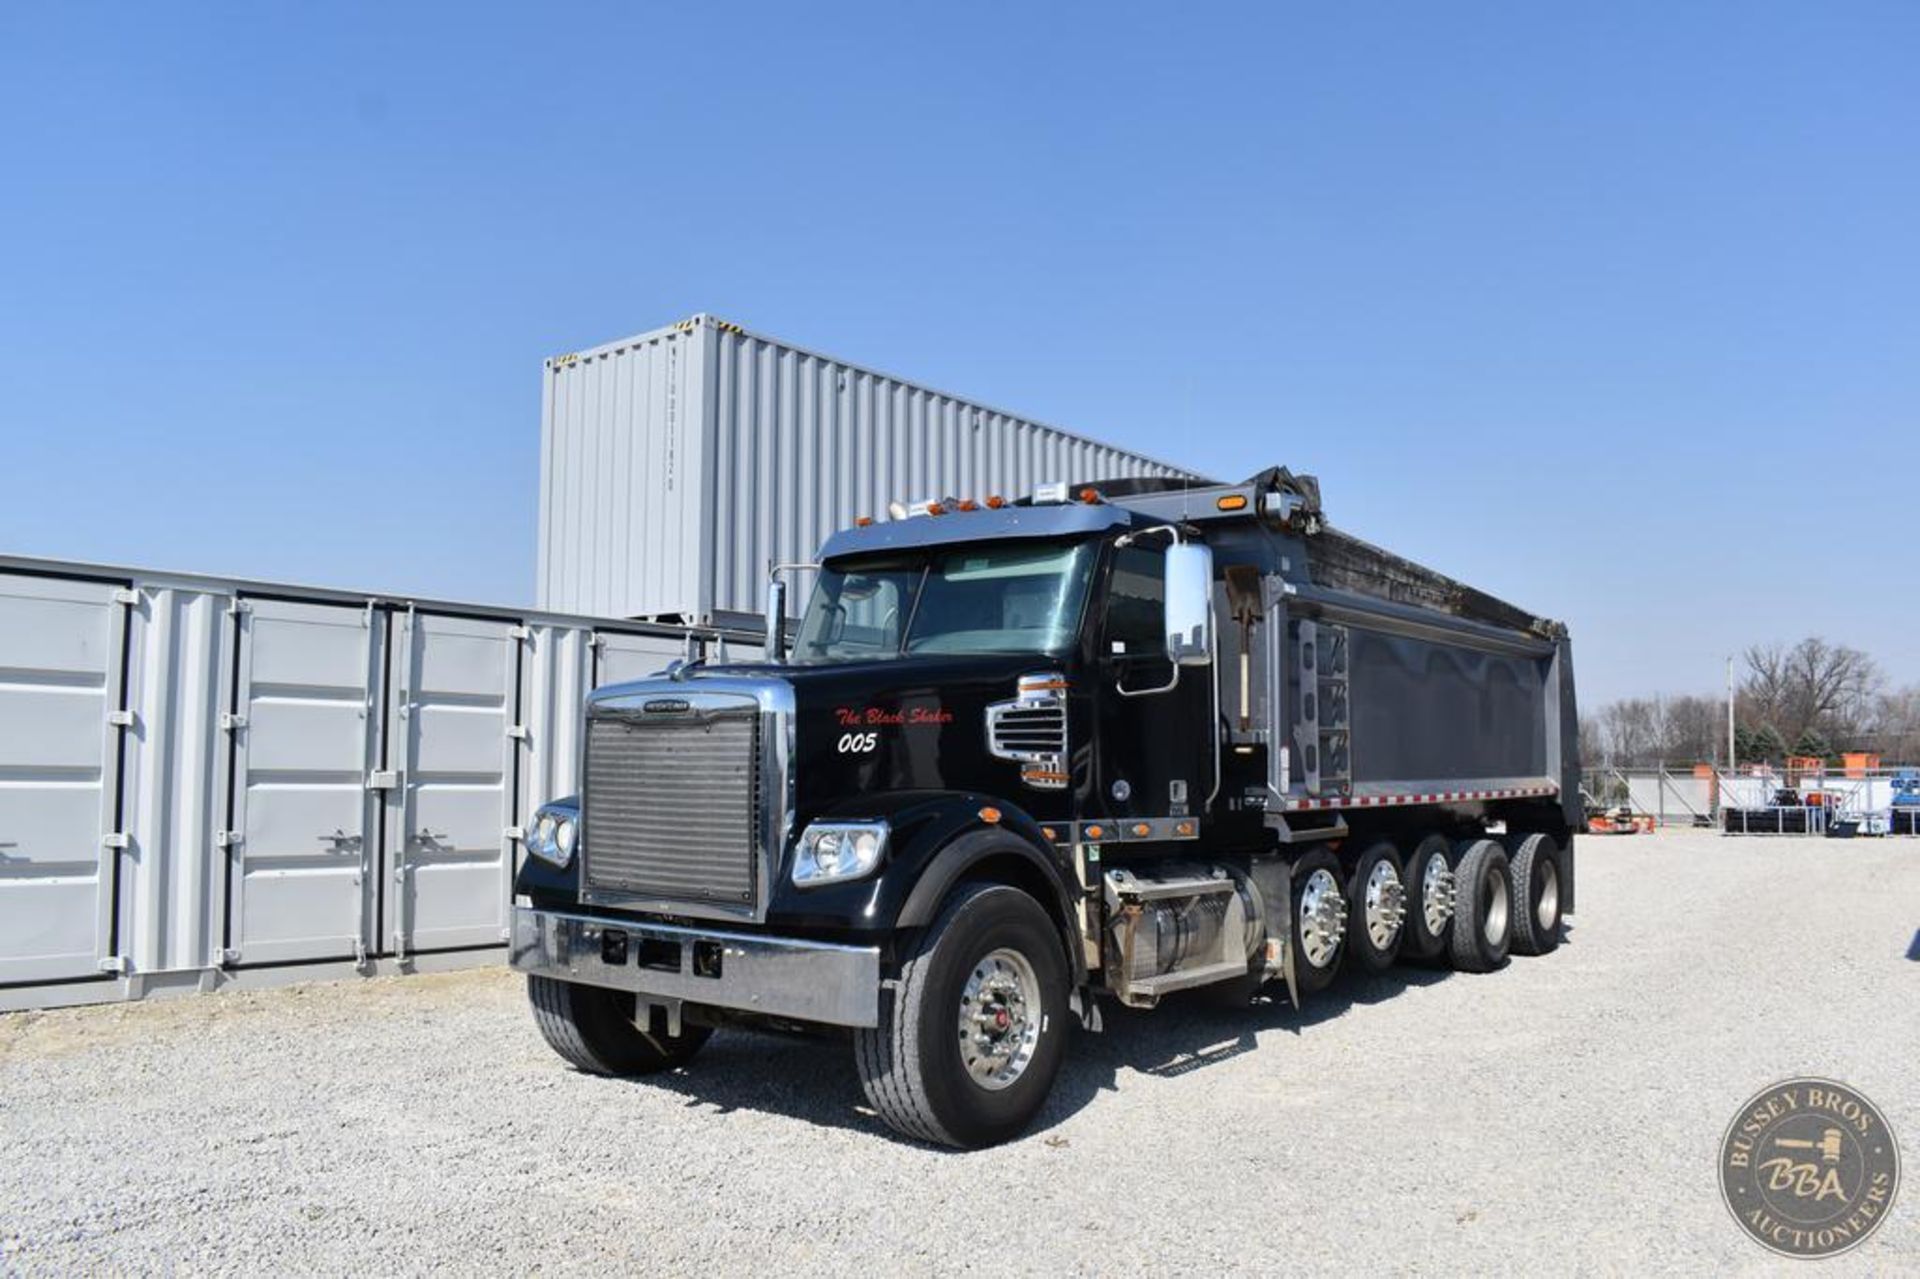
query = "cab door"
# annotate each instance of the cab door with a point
(1154, 756)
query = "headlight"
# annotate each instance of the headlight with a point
(554, 833)
(830, 852)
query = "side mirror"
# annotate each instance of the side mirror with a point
(776, 620)
(1189, 604)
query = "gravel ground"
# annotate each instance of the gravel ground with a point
(1563, 1113)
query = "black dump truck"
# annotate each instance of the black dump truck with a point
(1106, 742)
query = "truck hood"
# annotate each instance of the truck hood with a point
(908, 723)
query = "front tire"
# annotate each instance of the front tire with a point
(973, 1035)
(592, 1029)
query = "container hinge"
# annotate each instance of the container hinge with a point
(120, 719)
(231, 722)
(228, 839)
(517, 731)
(359, 952)
(383, 779)
(126, 595)
(237, 607)
(225, 958)
(519, 632)
(515, 832)
(119, 839)
(596, 641)
(113, 964)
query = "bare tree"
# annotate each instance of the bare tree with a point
(1828, 688)
(1695, 730)
(1896, 725)
(1632, 728)
(1593, 743)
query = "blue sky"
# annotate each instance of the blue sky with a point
(1612, 310)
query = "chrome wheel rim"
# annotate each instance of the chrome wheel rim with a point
(1494, 926)
(1547, 911)
(1000, 1019)
(1322, 918)
(1436, 895)
(1386, 904)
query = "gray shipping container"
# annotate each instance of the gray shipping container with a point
(206, 781)
(676, 465)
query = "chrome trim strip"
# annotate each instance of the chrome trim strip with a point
(811, 981)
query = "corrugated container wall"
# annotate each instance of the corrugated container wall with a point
(676, 465)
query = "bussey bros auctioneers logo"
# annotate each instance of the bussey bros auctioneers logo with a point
(1809, 1168)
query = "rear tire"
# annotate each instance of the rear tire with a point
(1319, 922)
(1376, 908)
(592, 1029)
(1536, 876)
(1483, 911)
(971, 1037)
(1430, 893)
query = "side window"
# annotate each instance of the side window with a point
(1136, 607)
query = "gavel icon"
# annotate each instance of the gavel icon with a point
(1828, 1145)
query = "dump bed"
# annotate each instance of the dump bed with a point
(1367, 679)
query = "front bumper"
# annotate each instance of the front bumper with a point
(779, 976)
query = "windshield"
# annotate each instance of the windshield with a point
(1007, 598)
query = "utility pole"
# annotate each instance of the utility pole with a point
(1732, 759)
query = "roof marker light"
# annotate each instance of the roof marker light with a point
(995, 502)
(862, 521)
(1089, 495)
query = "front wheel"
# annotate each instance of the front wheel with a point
(593, 1029)
(974, 1031)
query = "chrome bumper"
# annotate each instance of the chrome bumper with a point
(805, 980)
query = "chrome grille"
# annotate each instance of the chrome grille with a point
(672, 807)
(1029, 732)
(1032, 730)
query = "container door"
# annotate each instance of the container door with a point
(619, 658)
(60, 691)
(453, 738)
(305, 734)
